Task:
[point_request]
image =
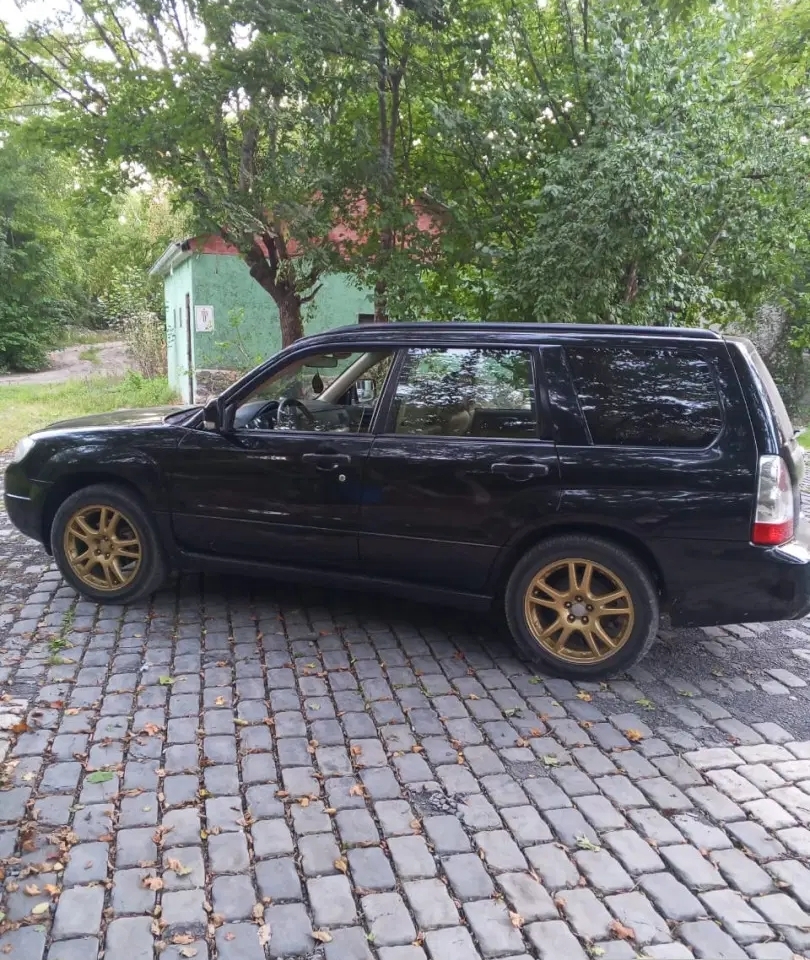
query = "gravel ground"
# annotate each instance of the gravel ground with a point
(242, 770)
(112, 360)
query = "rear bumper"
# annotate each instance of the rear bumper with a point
(744, 583)
(24, 500)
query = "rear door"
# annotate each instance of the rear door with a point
(655, 444)
(463, 463)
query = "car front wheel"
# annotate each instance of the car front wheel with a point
(581, 607)
(106, 545)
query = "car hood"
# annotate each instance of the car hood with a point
(146, 417)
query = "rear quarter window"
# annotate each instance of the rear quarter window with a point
(659, 397)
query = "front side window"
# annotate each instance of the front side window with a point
(323, 393)
(466, 392)
(659, 397)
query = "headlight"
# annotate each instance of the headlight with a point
(22, 449)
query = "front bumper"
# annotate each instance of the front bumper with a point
(25, 501)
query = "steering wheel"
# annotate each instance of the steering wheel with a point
(285, 408)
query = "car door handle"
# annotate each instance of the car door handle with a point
(327, 461)
(520, 469)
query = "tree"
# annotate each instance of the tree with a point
(635, 169)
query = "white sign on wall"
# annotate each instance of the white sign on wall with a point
(204, 319)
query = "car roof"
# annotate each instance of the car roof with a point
(504, 332)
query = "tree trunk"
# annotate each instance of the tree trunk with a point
(283, 292)
(289, 317)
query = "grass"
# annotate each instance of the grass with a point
(80, 336)
(804, 438)
(25, 407)
(90, 354)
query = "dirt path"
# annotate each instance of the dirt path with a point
(111, 359)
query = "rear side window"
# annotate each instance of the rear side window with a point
(778, 409)
(646, 397)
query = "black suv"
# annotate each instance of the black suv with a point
(585, 478)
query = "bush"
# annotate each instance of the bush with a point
(145, 336)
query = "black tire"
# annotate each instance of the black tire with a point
(151, 568)
(637, 629)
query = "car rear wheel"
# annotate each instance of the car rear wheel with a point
(582, 607)
(106, 545)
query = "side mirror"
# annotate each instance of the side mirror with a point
(212, 416)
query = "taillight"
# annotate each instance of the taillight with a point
(773, 520)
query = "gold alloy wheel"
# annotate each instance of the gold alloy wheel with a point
(579, 611)
(102, 547)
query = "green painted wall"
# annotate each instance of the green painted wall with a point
(246, 329)
(245, 319)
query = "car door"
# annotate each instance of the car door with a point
(281, 488)
(460, 467)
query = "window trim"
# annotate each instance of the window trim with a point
(541, 419)
(643, 348)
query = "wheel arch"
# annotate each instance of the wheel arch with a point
(72, 483)
(634, 545)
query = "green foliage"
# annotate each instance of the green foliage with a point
(632, 169)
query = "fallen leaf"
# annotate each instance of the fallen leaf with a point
(21, 727)
(100, 776)
(584, 695)
(342, 865)
(617, 928)
(357, 790)
(72, 712)
(646, 703)
(356, 750)
(41, 908)
(304, 801)
(152, 883)
(166, 681)
(150, 729)
(183, 938)
(417, 748)
(264, 934)
(585, 844)
(51, 889)
(517, 920)
(634, 736)
(188, 951)
(534, 732)
(258, 911)
(219, 702)
(230, 936)
(32, 890)
(322, 936)
(473, 696)
(180, 869)
(550, 761)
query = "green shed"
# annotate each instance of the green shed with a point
(220, 321)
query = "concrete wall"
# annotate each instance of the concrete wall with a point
(245, 318)
(246, 329)
(176, 285)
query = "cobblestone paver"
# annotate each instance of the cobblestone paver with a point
(242, 771)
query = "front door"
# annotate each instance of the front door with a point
(284, 485)
(462, 468)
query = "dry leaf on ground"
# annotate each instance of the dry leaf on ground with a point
(618, 929)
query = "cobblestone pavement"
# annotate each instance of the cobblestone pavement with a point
(241, 772)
